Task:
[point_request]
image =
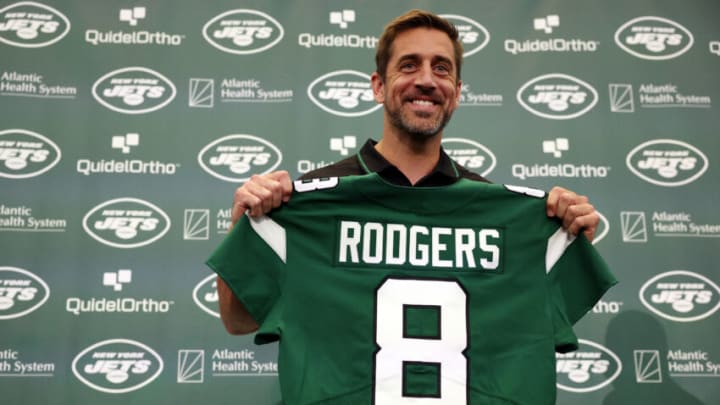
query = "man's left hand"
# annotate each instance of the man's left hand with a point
(575, 211)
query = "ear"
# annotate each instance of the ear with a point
(378, 88)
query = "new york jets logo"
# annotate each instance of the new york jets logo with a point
(346, 93)
(21, 292)
(28, 24)
(134, 90)
(25, 154)
(590, 368)
(653, 38)
(557, 96)
(205, 295)
(243, 32)
(117, 366)
(470, 154)
(126, 223)
(472, 34)
(235, 158)
(681, 296)
(667, 162)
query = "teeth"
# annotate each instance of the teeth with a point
(422, 102)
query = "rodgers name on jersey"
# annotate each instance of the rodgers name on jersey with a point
(394, 244)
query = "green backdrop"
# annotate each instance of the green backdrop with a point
(126, 126)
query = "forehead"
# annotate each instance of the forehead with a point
(424, 42)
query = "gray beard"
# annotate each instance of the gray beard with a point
(415, 132)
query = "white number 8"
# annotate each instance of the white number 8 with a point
(446, 350)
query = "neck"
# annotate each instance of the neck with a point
(414, 158)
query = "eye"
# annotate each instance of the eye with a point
(407, 66)
(442, 69)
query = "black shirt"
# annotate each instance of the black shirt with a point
(369, 160)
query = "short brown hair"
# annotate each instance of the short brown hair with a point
(415, 19)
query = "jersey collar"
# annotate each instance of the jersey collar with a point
(444, 173)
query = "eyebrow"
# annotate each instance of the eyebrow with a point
(435, 59)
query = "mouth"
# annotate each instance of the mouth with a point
(423, 103)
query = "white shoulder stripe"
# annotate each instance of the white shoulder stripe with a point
(272, 233)
(556, 246)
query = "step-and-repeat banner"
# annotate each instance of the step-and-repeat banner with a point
(126, 126)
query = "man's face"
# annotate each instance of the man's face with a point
(421, 89)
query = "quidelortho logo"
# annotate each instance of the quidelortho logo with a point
(28, 24)
(540, 45)
(21, 292)
(343, 145)
(131, 17)
(470, 154)
(117, 366)
(681, 296)
(473, 36)
(653, 38)
(131, 166)
(205, 295)
(590, 368)
(117, 280)
(243, 32)
(126, 223)
(342, 20)
(557, 96)
(134, 90)
(667, 162)
(235, 158)
(26, 154)
(346, 93)
(556, 147)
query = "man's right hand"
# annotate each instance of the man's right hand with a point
(261, 194)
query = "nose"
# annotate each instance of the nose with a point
(425, 77)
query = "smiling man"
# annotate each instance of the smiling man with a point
(404, 210)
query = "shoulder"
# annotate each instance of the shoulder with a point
(467, 174)
(347, 167)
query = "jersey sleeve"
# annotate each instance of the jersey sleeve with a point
(578, 279)
(251, 263)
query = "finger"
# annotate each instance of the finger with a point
(269, 191)
(285, 182)
(258, 198)
(552, 200)
(581, 217)
(238, 206)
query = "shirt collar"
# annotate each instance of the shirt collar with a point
(372, 161)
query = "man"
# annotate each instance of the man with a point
(418, 82)
(489, 328)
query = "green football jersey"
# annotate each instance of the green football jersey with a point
(390, 295)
